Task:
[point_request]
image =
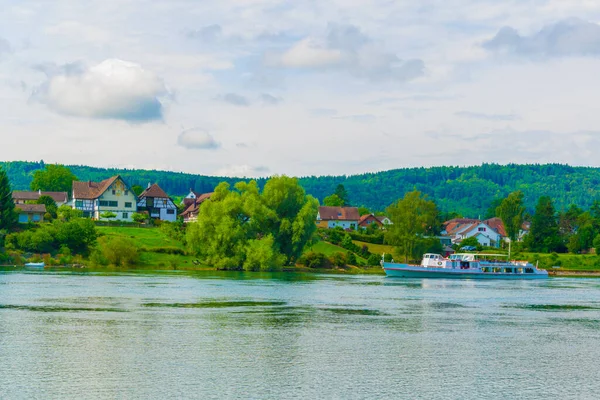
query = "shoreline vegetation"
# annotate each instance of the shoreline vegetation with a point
(273, 228)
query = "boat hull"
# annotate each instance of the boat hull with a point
(413, 271)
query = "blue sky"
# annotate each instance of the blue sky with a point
(261, 87)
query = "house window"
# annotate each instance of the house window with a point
(150, 202)
(125, 215)
(127, 204)
(126, 192)
(103, 203)
(78, 203)
(171, 211)
(113, 203)
(114, 191)
(36, 217)
(481, 229)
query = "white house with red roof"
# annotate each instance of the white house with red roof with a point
(190, 214)
(459, 229)
(110, 195)
(24, 197)
(157, 204)
(332, 217)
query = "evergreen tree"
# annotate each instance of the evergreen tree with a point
(8, 216)
(544, 235)
(340, 191)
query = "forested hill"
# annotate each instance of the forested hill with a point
(466, 190)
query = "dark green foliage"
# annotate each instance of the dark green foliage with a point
(351, 258)
(511, 211)
(470, 241)
(50, 204)
(54, 178)
(544, 235)
(339, 259)
(313, 259)
(468, 191)
(137, 189)
(374, 260)
(77, 234)
(117, 251)
(8, 215)
(341, 193)
(375, 238)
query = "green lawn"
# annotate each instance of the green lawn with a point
(144, 237)
(376, 248)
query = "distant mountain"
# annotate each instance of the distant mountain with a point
(466, 190)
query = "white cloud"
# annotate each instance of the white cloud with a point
(269, 99)
(235, 99)
(308, 53)
(491, 117)
(196, 138)
(4, 46)
(345, 47)
(568, 37)
(113, 89)
(243, 171)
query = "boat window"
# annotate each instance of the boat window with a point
(529, 270)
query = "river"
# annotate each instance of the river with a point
(217, 335)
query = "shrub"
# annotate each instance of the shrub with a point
(118, 251)
(351, 258)
(339, 259)
(314, 259)
(373, 260)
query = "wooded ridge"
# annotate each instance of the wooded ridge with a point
(466, 190)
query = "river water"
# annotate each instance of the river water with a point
(250, 336)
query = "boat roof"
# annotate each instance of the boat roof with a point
(480, 254)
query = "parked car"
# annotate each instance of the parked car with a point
(469, 248)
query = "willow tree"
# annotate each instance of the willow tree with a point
(414, 218)
(257, 231)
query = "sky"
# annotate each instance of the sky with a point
(316, 87)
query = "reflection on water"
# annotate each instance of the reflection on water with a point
(273, 336)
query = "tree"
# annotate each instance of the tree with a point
(66, 213)
(363, 211)
(340, 192)
(137, 189)
(234, 224)
(470, 241)
(492, 210)
(511, 212)
(50, 204)
(543, 235)
(8, 216)
(139, 217)
(333, 201)
(54, 178)
(108, 215)
(413, 218)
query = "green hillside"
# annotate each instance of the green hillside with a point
(467, 190)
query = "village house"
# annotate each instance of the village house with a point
(332, 217)
(459, 229)
(157, 203)
(379, 220)
(24, 197)
(111, 195)
(30, 212)
(190, 214)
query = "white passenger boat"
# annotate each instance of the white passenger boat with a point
(39, 265)
(466, 265)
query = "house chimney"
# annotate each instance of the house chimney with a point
(40, 192)
(149, 185)
(90, 183)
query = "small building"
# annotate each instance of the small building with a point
(332, 217)
(190, 214)
(111, 195)
(157, 203)
(23, 197)
(369, 219)
(191, 197)
(459, 229)
(30, 212)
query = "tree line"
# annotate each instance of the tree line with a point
(465, 190)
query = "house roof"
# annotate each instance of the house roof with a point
(339, 213)
(368, 219)
(91, 190)
(193, 207)
(31, 208)
(153, 191)
(497, 225)
(59, 197)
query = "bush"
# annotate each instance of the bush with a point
(314, 259)
(117, 251)
(174, 230)
(373, 260)
(376, 238)
(339, 259)
(351, 258)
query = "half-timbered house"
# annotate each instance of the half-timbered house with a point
(111, 195)
(157, 203)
